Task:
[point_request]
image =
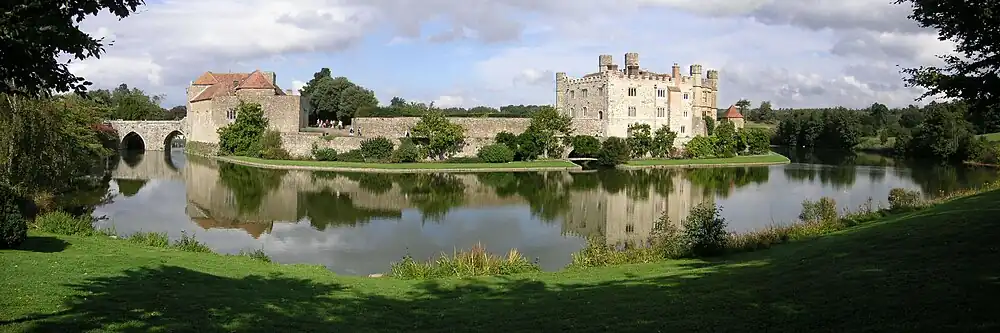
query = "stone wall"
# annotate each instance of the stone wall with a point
(154, 134)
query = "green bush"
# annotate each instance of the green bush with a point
(508, 139)
(903, 199)
(353, 155)
(474, 262)
(668, 240)
(663, 142)
(377, 149)
(473, 159)
(190, 244)
(257, 254)
(268, 146)
(640, 140)
(705, 230)
(530, 145)
(700, 147)
(585, 146)
(154, 239)
(614, 151)
(13, 227)
(495, 153)
(754, 141)
(324, 154)
(408, 152)
(823, 210)
(63, 223)
(241, 136)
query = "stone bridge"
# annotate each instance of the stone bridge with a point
(148, 134)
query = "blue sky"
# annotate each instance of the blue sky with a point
(498, 52)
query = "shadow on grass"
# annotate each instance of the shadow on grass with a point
(43, 244)
(899, 277)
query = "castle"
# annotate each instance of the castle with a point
(213, 97)
(617, 98)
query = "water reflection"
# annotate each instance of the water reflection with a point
(357, 223)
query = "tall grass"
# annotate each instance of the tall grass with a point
(700, 235)
(473, 262)
(256, 254)
(154, 239)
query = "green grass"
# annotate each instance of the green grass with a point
(413, 166)
(770, 158)
(933, 270)
(991, 136)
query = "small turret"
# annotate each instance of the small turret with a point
(696, 75)
(605, 63)
(713, 79)
(632, 63)
(675, 72)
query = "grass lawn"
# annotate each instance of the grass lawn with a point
(770, 158)
(934, 270)
(412, 166)
(991, 136)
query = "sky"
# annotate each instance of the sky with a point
(794, 53)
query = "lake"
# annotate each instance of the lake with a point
(357, 223)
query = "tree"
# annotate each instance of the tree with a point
(974, 72)
(36, 33)
(743, 105)
(240, 138)
(663, 141)
(764, 112)
(441, 138)
(352, 99)
(709, 125)
(726, 139)
(879, 113)
(640, 140)
(944, 135)
(546, 123)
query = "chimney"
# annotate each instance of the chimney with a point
(675, 72)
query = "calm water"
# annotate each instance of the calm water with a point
(356, 223)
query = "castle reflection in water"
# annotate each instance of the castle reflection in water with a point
(619, 205)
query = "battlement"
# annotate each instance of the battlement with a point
(608, 69)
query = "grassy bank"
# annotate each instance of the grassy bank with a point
(540, 165)
(930, 270)
(991, 136)
(772, 158)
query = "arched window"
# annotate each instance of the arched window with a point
(600, 114)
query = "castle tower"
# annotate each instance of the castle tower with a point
(605, 63)
(713, 79)
(696, 75)
(561, 92)
(632, 63)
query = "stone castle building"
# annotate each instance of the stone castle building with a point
(213, 97)
(618, 98)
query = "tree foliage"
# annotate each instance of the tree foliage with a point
(663, 142)
(614, 151)
(973, 73)
(830, 128)
(440, 137)
(585, 146)
(336, 98)
(640, 139)
(36, 33)
(943, 135)
(240, 137)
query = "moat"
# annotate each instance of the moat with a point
(357, 224)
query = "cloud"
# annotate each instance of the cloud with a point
(794, 53)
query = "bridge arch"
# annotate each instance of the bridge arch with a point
(132, 141)
(168, 140)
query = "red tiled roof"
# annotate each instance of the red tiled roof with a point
(733, 112)
(256, 80)
(226, 84)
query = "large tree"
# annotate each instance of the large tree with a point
(336, 98)
(973, 72)
(35, 33)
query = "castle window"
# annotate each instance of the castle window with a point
(600, 114)
(600, 90)
(572, 94)
(583, 93)
(685, 95)
(631, 111)
(682, 129)
(632, 92)
(584, 111)
(629, 228)
(661, 111)
(661, 93)
(685, 113)
(572, 112)
(704, 98)
(231, 114)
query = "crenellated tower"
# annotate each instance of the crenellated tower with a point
(561, 81)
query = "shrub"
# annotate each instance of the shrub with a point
(239, 137)
(903, 199)
(585, 146)
(257, 254)
(530, 145)
(597, 253)
(755, 141)
(700, 147)
(705, 230)
(190, 244)
(508, 139)
(614, 151)
(324, 154)
(408, 152)
(663, 142)
(640, 140)
(353, 155)
(268, 146)
(442, 138)
(474, 262)
(823, 210)
(472, 159)
(13, 227)
(154, 239)
(376, 149)
(63, 223)
(668, 240)
(495, 153)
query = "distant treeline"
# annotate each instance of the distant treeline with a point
(399, 107)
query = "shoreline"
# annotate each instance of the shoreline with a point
(776, 159)
(401, 169)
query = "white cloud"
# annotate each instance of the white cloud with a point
(447, 101)
(793, 52)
